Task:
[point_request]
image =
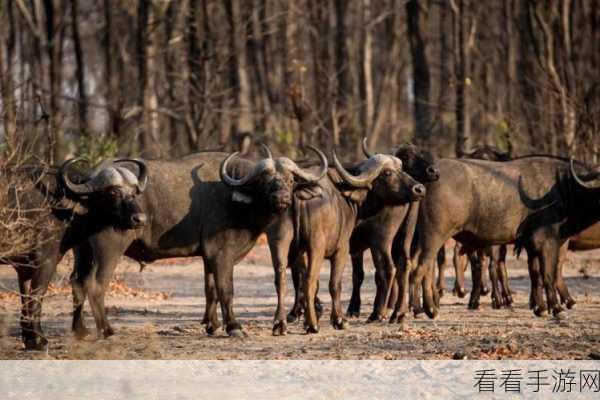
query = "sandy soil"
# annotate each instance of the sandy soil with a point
(157, 313)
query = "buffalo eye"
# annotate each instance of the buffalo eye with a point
(114, 193)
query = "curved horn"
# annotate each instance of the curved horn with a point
(228, 180)
(365, 148)
(143, 171)
(309, 177)
(363, 180)
(76, 188)
(267, 151)
(587, 185)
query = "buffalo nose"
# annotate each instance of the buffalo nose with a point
(139, 219)
(419, 190)
(433, 172)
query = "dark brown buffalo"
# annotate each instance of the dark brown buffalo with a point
(493, 257)
(67, 213)
(212, 205)
(321, 223)
(537, 202)
(378, 232)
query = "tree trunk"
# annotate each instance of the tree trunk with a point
(79, 69)
(463, 32)
(53, 11)
(366, 74)
(415, 12)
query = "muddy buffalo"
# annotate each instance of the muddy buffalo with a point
(68, 210)
(212, 205)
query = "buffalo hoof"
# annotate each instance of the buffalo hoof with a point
(310, 329)
(496, 303)
(81, 332)
(431, 312)
(473, 305)
(508, 301)
(393, 318)
(460, 292)
(236, 333)
(212, 328)
(339, 324)
(441, 292)
(353, 311)
(560, 316)
(485, 290)
(570, 303)
(280, 328)
(293, 316)
(108, 332)
(37, 343)
(540, 311)
(374, 317)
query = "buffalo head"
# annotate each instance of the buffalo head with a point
(382, 175)
(416, 162)
(111, 190)
(271, 181)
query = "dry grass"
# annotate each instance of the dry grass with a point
(25, 220)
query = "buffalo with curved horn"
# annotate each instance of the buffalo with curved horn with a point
(384, 232)
(479, 203)
(345, 197)
(103, 199)
(219, 205)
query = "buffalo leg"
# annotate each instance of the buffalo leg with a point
(223, 272)
(401, 307)
(84, 260)
(358, 276)
(28, 333)
(503, 275)
(279, 245)
(310, 284)
(494, 277)
(441, 262)
(298, 272)
(476, 278)
(536, 300)
(96, 289)
(460, 265)
(563, 290)
(430, 297)
(386, 270)
(549, 266)
(380, 287)
(39, 285)
(484, 278)
(338, 261)
(211, 319)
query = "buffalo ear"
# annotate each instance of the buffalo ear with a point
(308, 192)
(239, 197)
(356, 195)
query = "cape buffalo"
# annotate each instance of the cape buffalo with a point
(494, 255)
(321, 223)
(212, 205)
(68, 212)
(377, 233)
(537, 202)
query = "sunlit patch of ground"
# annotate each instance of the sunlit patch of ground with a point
(157, 313)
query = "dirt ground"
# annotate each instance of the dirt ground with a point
(157, 313)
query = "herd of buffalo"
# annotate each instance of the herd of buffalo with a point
(402, 206)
